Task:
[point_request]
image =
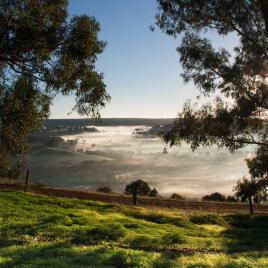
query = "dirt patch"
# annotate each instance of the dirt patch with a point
(142, 201)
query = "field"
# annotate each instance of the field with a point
(42, 231)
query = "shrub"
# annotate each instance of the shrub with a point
(172, 238)
(118, 260)
(231, 198)
(153, 193)
(214, 197)
(177, 196)
(105, 189)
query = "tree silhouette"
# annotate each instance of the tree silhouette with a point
(239, 117)
(43, 53)
(137, 187)
(251, 190)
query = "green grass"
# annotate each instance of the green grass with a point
(39, 231)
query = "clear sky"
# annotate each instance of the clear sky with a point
(141, 68)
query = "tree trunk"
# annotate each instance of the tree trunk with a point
(26, 181)
(250, 205)
(134, 199)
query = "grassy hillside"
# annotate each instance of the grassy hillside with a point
(39, 231)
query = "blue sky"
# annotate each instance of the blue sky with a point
(141, 68)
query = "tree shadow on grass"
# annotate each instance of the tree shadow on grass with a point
(246, 233)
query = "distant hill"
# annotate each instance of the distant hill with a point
(108, 122)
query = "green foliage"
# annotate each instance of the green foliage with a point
(250, 188)
(44, 53)
(138, 187)
(60, 232)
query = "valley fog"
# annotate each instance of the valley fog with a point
(115, 155)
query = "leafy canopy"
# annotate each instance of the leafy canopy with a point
(237, 80)
(138, 187)
(246, 188)
(44, 53)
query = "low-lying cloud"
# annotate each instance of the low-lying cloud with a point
(114, 156)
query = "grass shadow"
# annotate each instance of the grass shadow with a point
(246, 233)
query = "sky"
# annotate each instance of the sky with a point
(141, 68)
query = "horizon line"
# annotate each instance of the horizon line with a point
(75, 118)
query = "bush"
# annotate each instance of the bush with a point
(172, 238)
(153, 193)
(177, 196)
(214, 197)
(141, 241)
(231, 198)
(119, 260)
(105, 189)
(108, 232)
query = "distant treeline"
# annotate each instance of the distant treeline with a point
(108, 122)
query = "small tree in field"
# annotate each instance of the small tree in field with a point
(251, 190)
(137, 187)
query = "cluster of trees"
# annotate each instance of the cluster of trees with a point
(236, 80)
(135, 188)
(243, 192)
(219, 197)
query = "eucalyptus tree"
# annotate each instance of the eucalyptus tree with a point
(235, 81)
(43, 52)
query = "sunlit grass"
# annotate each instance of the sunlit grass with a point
(39, 231)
